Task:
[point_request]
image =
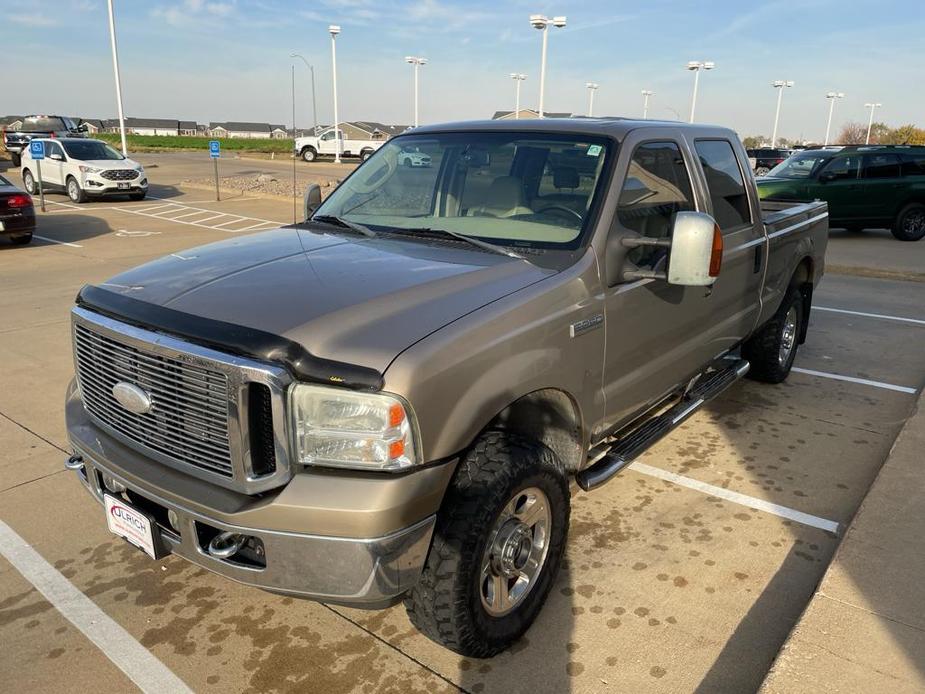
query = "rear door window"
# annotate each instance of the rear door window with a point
(913, 164)
(881, 166)
(725, 183)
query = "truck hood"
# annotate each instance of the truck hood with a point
(360, 301)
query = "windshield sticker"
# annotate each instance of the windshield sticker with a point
(594, 150)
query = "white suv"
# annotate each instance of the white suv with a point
(82, 167)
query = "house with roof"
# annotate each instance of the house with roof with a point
(525, 113)
(94, 126)
(11, 122)
(241, 129)
(366, 130)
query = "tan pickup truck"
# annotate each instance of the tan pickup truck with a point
(392, 399)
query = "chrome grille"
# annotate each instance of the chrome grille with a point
(188, 421)
(119, 174)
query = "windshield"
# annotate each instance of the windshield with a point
(518, 189)
(800, 165)
(40, 124)
(89, 150)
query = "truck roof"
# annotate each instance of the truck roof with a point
(614, 127)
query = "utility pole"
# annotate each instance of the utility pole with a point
(779, 85)
(115, 68)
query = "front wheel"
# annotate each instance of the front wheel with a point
(497, 547)
(15, 159)
(74, 191)
(773, 348)
(910, 223)
(22, 240)
(308, 154)
(28, 182)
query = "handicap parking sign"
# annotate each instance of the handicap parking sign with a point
(37, 149)
(214, 150)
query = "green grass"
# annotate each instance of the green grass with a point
(139, 143)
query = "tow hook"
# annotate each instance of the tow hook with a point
(226, 545)
(74, 462)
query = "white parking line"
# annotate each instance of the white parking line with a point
(742, 499)
(852, 379)
(914, 321)
(233, 221)
(62, 243)
(136, 661)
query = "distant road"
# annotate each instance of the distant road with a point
(174, 167)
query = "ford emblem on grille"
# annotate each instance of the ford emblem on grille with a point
(132, 398)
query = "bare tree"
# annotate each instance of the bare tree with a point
(852, 133)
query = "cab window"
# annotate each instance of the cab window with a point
(725, 183)
(842, 168)
(657, 187)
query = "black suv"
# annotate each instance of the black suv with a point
(766, 158)
(16, 141)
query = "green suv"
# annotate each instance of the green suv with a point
(866, 186)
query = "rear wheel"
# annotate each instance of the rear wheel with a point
(772, 349)
(761, 170)
(910, 223)
(497, 547)
(366, 154)
(16, 159)
(28, 182)
(22, 240)
(74, 191)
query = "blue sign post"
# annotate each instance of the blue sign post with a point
(215, 151)
(37, 152)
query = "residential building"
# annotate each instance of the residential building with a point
(11, 122)
(236, 129)
(366, 130)
(94, 126)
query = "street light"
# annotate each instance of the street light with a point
(518, 78)
(779, 86)
(645, 102)
(696, 66)
(870, 122)
(314, 105)
(592, 87)
(334, 30)
(115, 68)
(832, 97)
(542, 22)
(417, 63)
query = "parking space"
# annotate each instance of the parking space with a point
(687, 571)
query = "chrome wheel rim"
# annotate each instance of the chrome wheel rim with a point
(515, 555)
(788, 336)
(72, 190)
(29, 183)
(914, 222)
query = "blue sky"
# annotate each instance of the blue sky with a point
(229, 59)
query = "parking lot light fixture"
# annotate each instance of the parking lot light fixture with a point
(518, 79)
(311, 69)
(334, 30)
(416, 64)
(115, 68)
(645, 102)
(592, 87)
(542, 22)
(779, 85)
(870, 121)
(696, 66)
(832, 97)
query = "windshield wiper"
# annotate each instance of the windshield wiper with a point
(333, 220)
(484, 245)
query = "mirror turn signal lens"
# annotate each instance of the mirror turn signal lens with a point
(716, 256)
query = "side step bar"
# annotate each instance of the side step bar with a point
(626, 449)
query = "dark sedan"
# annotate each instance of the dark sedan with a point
(17, 215)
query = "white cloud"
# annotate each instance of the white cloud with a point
(31, 20)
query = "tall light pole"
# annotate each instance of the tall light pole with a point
(311, 69)
(518, 79)
(592, 87)
(832, 97)
(870, 121)
(334, 30)
(416, 63)
(115, 68)
(542, 22)
(696, 66)
(645, 102)
(779, 85)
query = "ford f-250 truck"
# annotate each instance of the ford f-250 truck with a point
(311, 147)
(390, 400)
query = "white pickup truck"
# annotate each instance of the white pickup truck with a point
(311, 147)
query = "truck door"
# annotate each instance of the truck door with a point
(736, 293)
(882, 186)
(657, 334)
(326, 144)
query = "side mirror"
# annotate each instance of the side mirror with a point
(696, 250)
(826, 177)
(312, 200)
(56, 157)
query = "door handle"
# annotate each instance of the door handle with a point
(759, 257)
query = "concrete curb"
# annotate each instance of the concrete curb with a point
(859, 271)
(864, 632)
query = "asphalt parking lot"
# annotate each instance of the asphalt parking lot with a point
(684, 573)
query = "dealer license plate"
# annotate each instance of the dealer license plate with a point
(123, 186)
(131, 523)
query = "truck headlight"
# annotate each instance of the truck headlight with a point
(342, 428)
